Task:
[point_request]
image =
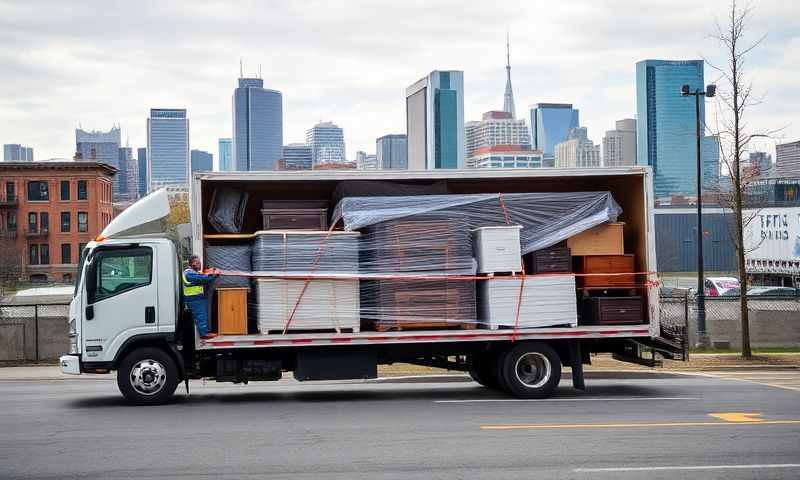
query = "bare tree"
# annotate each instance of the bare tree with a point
(735, 99)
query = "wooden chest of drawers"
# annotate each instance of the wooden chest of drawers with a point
(232, 311)
(295, 218)
(612, 311)
(594, 264)
(549, 260)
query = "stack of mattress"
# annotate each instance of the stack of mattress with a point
(323, 304)
(547, 300)
(230, 258)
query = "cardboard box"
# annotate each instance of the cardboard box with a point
(605, 239)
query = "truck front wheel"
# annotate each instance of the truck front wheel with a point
(147, 376)
(531, 370)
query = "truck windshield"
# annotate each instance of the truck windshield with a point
(79, 274)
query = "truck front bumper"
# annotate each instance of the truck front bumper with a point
(70, 364)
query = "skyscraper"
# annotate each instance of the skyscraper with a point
(550, 125)
(14, 152)
(297, 156)
(435, 121)
(495, 128)
(167, 148)
(787, 159)
(202, 161)
(225, 157)
(508, 96)
(759, 163)
(257, 126)
(577, 151)
(326, 140)
(98, 146)
(141, 162)
(619, 145)
(391, 152)
(366, 161)
(665, 129)
(127, 177)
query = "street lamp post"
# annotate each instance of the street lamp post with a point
(702, 335)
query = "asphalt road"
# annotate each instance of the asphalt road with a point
(622, 428)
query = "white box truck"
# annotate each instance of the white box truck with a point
(127, 317)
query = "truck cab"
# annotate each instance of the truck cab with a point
(126, 297)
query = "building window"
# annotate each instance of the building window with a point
(10, 191)
(67, 278)
(11, 222)
(38, 191)
(65, 222)
(65, 190)
(33, 225)
(81, 246)
(44, 221)
(83, 222)
(33, 255)
(39, 278)
(66, 253)
(44, 254)
(83, 194)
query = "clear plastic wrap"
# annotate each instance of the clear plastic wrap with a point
(546, 217)
(226, 214)
(409, 262)
(229, 258)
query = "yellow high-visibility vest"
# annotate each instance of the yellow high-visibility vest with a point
(190, 290)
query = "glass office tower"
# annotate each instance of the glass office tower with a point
(550, 125)
(257, 126)
(665, 130)
(141, 158)
(225, 154)
(435, 121)
(167, 148)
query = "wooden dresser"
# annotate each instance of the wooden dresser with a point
(594, 264)
(232, 311)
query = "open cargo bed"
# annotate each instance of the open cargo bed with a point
(630, 187)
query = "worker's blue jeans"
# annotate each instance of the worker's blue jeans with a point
(198, 308)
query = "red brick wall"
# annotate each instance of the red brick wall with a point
(97, 206)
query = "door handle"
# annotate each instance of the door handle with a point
(89, 312)
(149, 314)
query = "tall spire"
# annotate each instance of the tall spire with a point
(508, 97)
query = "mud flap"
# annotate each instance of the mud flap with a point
(576, 362)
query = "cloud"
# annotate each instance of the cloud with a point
(98, 63)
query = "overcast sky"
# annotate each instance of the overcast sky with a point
(97, 63)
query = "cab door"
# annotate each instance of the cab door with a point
(121, 296)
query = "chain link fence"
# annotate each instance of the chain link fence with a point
(33, 333)
(774, 320)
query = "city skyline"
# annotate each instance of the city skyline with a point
(329, 82)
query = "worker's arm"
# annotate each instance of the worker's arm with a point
(197, 277)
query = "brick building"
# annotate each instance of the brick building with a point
(49, 211)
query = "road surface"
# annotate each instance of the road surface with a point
(632, 426)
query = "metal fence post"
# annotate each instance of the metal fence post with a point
(36, 329)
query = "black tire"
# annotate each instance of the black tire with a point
(531, 370)
(483, 370)
(147, 376)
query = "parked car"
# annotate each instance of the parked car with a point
(773, 292)
(722, 287)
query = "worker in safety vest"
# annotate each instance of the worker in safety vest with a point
(194, 295)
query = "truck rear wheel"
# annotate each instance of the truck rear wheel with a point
(531, 370)
(147, 376)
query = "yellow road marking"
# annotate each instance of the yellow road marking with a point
(729, 418)
(738, 417)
